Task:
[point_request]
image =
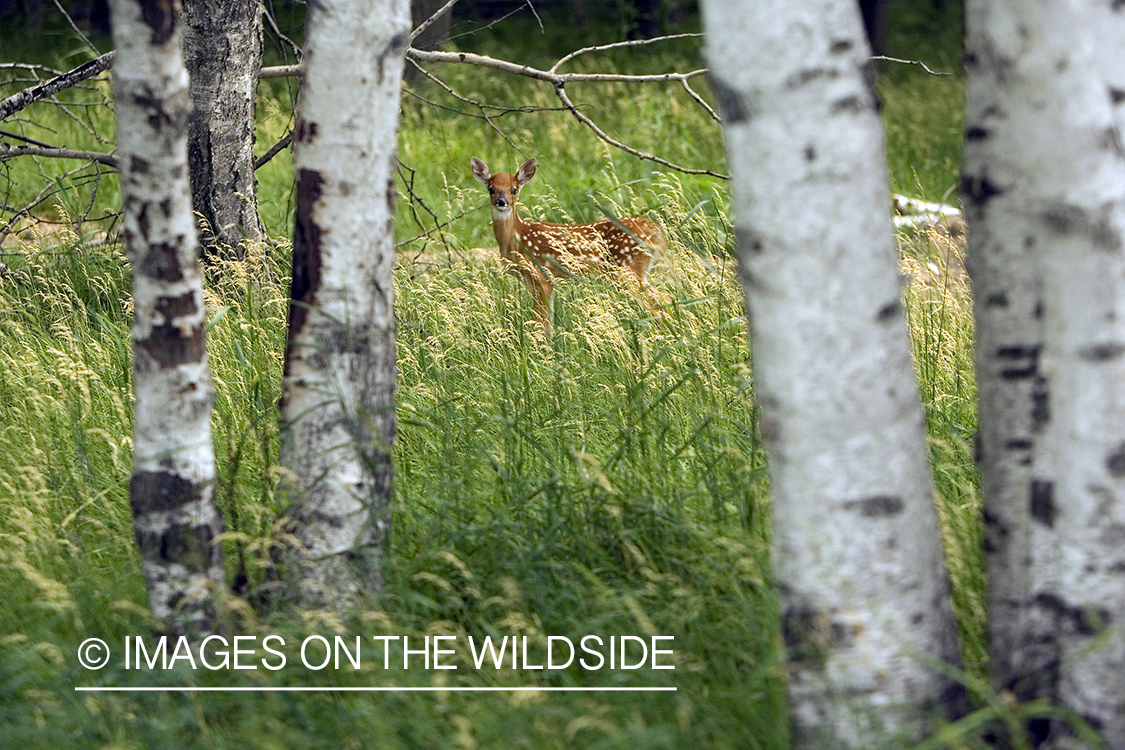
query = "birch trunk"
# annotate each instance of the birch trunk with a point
(858, 560)
(1043, 135)
(175, 518)
(223, 51)
(339, 382)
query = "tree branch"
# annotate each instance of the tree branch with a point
(277, 148)
(280, 71)
(560, 92)
(89, 69)
(430, 21)
(8, 152)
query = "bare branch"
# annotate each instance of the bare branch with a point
(89, 69)
(911, 62)
(699, 99)
(75, 28)
(629, 43)
(9, 152)
(430, 21)
(25, 139)
(280, 71)
(557, 79)
(30, 66)
(277, 148)
(561, 93)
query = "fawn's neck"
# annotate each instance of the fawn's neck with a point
(507, 226)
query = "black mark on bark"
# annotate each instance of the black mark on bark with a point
(160, 492)
(879, 506)
(172, 346)
(176, 307)
(1024, 361)
(162, 262)
(980, 189)
(889, 312)
(306, 250)
(1115, 462)
(306, 131)
(1042, 502)
(1085, 620)
(847, 104)
(733, 105)
(748, 241)
(160, 16)
(1102, 352)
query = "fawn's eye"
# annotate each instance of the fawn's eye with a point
(492, 191)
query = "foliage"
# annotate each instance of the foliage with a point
(606, 481)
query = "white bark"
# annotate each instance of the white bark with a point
(339, 382)
(223, 51)
(1042, 136)
(173, 481)
(858, 559)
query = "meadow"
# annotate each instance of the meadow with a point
(608, 480)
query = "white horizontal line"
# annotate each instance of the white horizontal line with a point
(298, 689)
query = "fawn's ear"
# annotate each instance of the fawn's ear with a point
(480, 170)
(526, 172)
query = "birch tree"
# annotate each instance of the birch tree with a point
(1045, 184)
(223, 51)
(337, 406)
(173, 483)
(858, 562)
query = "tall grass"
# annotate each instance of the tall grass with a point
(608, 480)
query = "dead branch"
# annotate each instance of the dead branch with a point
(910, 62)
(431, 20)
(614, 45)
(8, 152)
(88, 69)
(280, 71)
(277, 148)
(559, 81)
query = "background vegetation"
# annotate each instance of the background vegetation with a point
(608, 481)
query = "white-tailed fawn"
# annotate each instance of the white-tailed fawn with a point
(543, 252)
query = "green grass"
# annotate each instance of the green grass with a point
(607, 481)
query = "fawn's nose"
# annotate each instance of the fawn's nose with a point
(501, 202)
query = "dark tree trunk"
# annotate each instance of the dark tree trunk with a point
(223, 51)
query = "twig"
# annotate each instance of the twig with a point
(25, 139)
(74, 26)
(699, 100)
(89, 69)
(561, 94)
(629, 43)
(8, 152)
(910, 62)
(431, 20)
(277, 148)
(30, 66)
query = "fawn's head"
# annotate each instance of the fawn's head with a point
(503, 188)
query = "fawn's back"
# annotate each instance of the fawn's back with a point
(628, 242)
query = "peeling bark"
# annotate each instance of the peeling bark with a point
(223, 51)
(338, 397)
(171, 491)
(1049, 273)
(859, 565)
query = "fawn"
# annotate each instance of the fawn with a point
(542, 251)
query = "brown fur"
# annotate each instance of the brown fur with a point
(544, 252)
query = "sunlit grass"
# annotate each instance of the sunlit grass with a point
(606, 480)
